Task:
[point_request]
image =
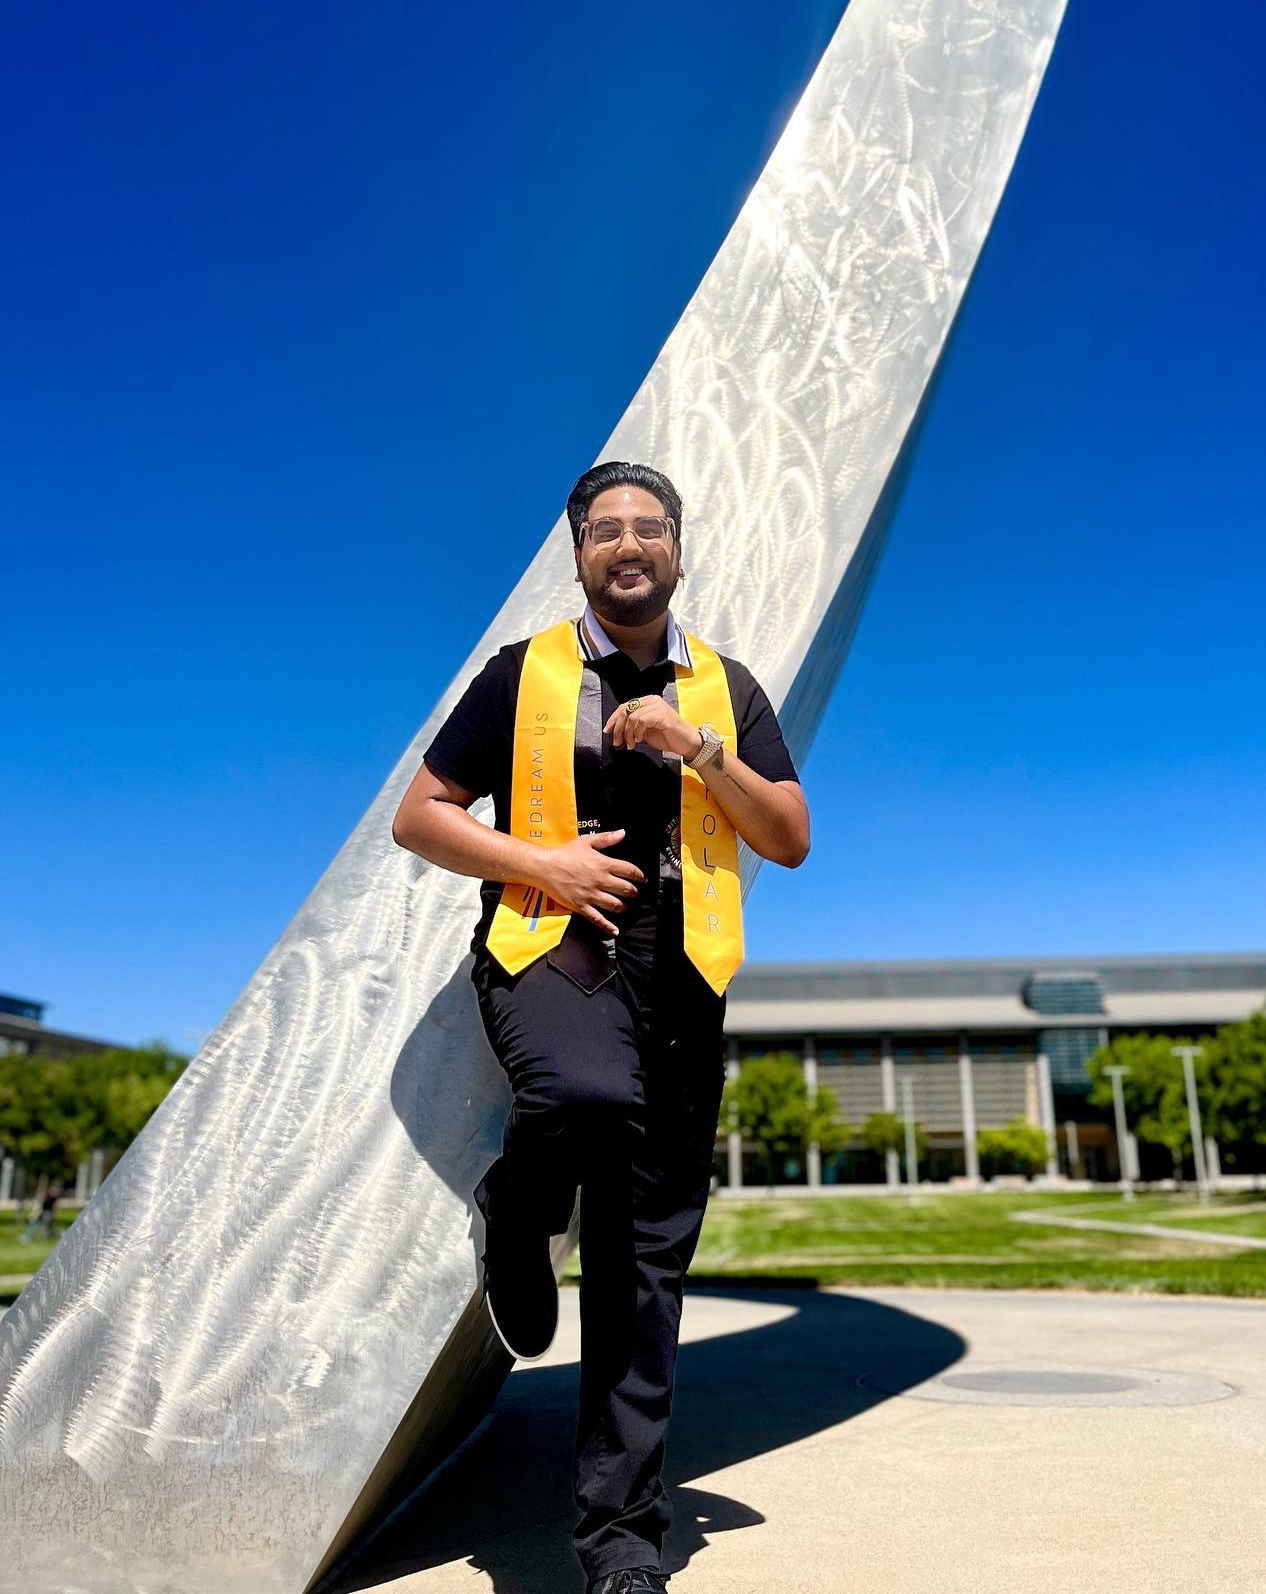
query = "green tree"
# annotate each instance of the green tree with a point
(45, 1114)
(1018, 1147)
(1234, 1103)
(770, 1103)
(54, 1111)
(128, 1083)
(1154, 1091)
(884, 1132)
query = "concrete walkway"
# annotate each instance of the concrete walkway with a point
(1162, 1231)
(892, 1441)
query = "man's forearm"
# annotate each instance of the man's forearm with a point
(445, 834)
(772, 820)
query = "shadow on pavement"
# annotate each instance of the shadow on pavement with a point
(504, 1503)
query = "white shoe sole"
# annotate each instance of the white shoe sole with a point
(518, 1355)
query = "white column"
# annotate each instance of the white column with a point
(888, 1083)
(1074, 1150)
(912, 1153)
(1046, 1107)
(734, 1139)
(809, 1059)
(967, 1091)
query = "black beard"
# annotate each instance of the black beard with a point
(629, 608)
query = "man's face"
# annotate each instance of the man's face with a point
(628, 582)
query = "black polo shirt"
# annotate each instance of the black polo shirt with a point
(634, 788)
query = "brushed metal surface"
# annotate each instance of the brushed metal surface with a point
(197, 1385)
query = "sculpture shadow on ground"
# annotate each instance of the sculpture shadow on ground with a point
(504, 1502)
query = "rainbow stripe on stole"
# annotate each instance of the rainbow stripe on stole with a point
(527, 922)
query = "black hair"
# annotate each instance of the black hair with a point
(619, 473)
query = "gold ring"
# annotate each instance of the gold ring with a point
(633, 702)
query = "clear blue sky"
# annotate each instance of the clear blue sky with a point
(315, 312)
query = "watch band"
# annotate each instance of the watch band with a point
(711, 749)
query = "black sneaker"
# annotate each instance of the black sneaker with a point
(630, 1580)
(520, 1292)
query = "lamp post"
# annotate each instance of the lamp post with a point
(1123, 1150)
(1188, 1055)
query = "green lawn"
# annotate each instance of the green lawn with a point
(17, 1259)
(1237, 1214)
(970, 1240)
(939, 1240)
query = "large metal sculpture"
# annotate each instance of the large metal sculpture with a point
(266, 1318)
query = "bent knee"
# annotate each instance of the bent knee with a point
(584, 1093)
(604, 1096)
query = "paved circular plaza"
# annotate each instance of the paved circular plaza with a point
(893, 1441)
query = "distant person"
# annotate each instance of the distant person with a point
(43, 1209)
(625, 759)
(48, 1207)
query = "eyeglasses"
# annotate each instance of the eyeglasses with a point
(646, 528)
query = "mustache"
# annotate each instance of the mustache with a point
(628, 606)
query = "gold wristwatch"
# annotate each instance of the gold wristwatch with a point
(710, 752)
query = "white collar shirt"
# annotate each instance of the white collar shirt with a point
(596, 644)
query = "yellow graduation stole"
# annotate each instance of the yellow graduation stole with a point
(527, 922)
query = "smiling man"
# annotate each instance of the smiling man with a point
(625, 759)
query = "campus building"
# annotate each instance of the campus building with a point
(974, 1042)
(22, 1029)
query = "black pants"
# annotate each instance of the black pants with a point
(616, 1091)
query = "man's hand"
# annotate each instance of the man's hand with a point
(654, 722)
(580, 876)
